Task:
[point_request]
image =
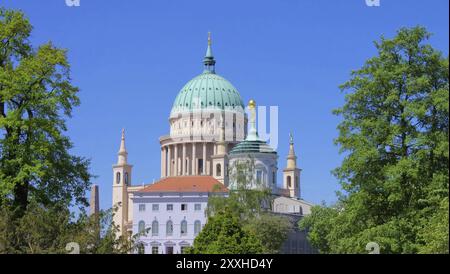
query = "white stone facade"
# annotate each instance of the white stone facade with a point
(174, 220)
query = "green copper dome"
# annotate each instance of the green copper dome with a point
(208, 91)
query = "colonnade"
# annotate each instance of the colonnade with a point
(186, 159)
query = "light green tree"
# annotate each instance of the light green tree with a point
(39, 179)
(394, 134)
(36, 96)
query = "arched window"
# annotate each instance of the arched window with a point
(259, 177)
(141, 227)
(218, 170)
(197, 227)
(289, 184)
(118, 178)
(296, 181)
(183, 228)
(155, 228)
(126, 178)
(169, 228)
(274, 178)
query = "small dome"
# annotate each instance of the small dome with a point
(252, 143)
(207, 91)
(252, 146)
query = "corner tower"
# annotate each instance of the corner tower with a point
(291, 174)
(121, 181)
(220, 158)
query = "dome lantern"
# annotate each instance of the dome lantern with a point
(207, 91)
(209, 61)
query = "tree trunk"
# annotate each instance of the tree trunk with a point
(21, 197)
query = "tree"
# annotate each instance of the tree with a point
(249, 201)
(50, 230)
(36, 95)
(395, 136)
(271, 230)
(39, 178)
(434, 232)
(320, 223)
(247, 198)
(224, 234)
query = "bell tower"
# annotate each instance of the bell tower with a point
(291, 174)
(121, 181)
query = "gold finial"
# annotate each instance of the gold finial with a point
(209, 38)
(251, 103)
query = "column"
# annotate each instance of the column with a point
(204, 159)
(194, 160)
(187, 165)
(163, 158)
(183, 161)
(169, 160)
(176, 160)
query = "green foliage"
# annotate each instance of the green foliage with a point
(394, 134)
(224, 234)
(39, 178)
(434, 233)
(49, 230)
(271, 230)
(37, 231)
(321, 219)
(249, 202)
(36, 95)
(247, 197)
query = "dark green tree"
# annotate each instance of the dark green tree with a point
(394, 134)
(36, 95)
(51, 229)
(270, 229)
(224, 234)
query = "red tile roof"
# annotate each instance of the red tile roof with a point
(186, 184)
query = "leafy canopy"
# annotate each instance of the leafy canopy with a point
(394, 135)
(36, 96)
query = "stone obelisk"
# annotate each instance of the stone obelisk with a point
(94, 202)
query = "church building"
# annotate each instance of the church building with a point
(210, 133)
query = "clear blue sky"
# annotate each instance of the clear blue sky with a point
(130, 58)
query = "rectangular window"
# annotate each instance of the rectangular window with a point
(183, 207)
(200, 166)
(142, 207)
(183, 249)
(155, 207)
(169, 207)
(155, 250)
(198, 207)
